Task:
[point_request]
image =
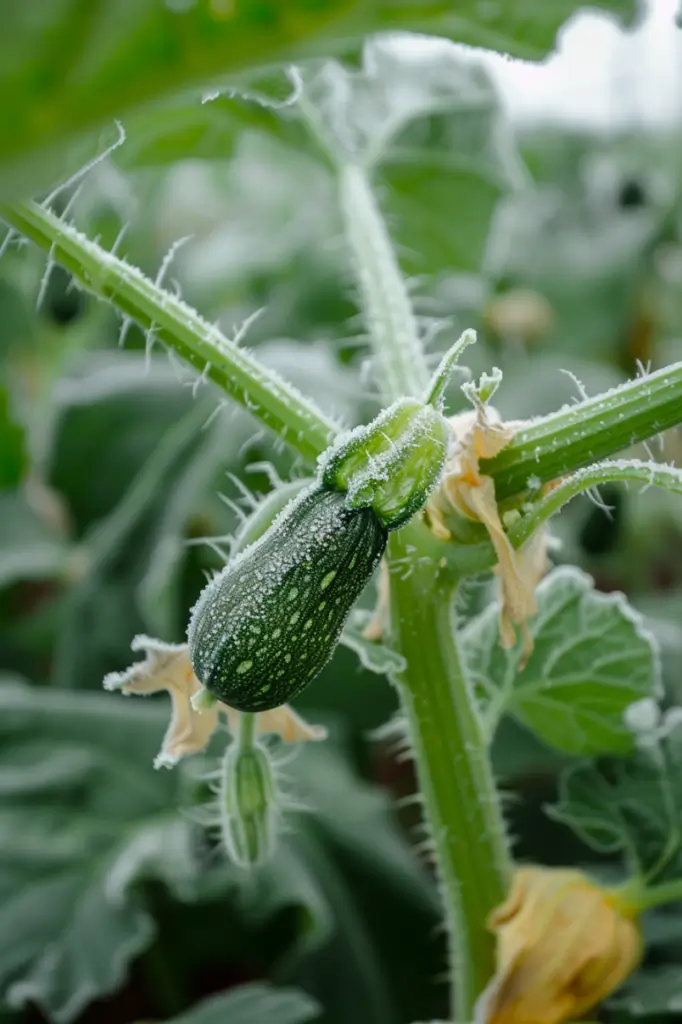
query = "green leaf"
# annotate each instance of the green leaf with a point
(70, 67)
(632, 805)
(13, 453)
(591, 659)
(207, 128)
(113, 404)
(253, 1004)
(17, 325)
(29, 549)
(158, 592)
(83, 819)
(374, 655)
(271, 209)
(379, 897)
(358, 818)
(662, 929)
(101, 613)
(653, 992)
(424, 117)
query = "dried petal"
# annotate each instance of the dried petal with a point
(464, 489)
(167, 667)
(283, 721)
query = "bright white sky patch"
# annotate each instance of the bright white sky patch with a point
(600, 76)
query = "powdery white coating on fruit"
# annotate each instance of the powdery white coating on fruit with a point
(264, 627)
(392, 463)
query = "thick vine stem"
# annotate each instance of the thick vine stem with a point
(264, 393)
(400, 365)
(587, 432)
(454, 773)
(462, 812)
(552, 446)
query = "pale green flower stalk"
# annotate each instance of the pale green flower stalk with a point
(248, 799)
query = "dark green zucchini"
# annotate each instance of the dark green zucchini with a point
(264, 627)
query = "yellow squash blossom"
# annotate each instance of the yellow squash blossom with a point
(563, 945)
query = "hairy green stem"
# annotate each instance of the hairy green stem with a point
(551, 446)
(648, 474)
(454, 773)
(643, 898)
(591, 430)
(469, 559)
(274, 402)
(462, 812)
(246, 732)
(400, 364)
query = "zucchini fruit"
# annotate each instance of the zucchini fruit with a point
(268, 623)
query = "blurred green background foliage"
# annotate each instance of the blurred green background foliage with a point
(558, 241)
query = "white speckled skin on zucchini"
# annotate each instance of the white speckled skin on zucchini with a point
(265, 627)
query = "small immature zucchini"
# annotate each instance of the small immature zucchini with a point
(265, 627)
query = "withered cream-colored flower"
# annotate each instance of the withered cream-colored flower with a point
(563, 945)
(168, 667)
(465, 490)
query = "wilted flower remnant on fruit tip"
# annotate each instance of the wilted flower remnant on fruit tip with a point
(168, 667)
(465, 490)
(563, 945)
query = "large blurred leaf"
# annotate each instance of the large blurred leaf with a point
(583, 237)
(268, 205)
(82, 819)
(633, 806)
(29, 548)
(653, 992)
(423, 116)
(591, 659)
(355, 912)
(253, 1004)
(16, 325)
(69, 66)
(105, 608)
(158, 591)
(369, 902)
(114, 404)
(203, 128)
